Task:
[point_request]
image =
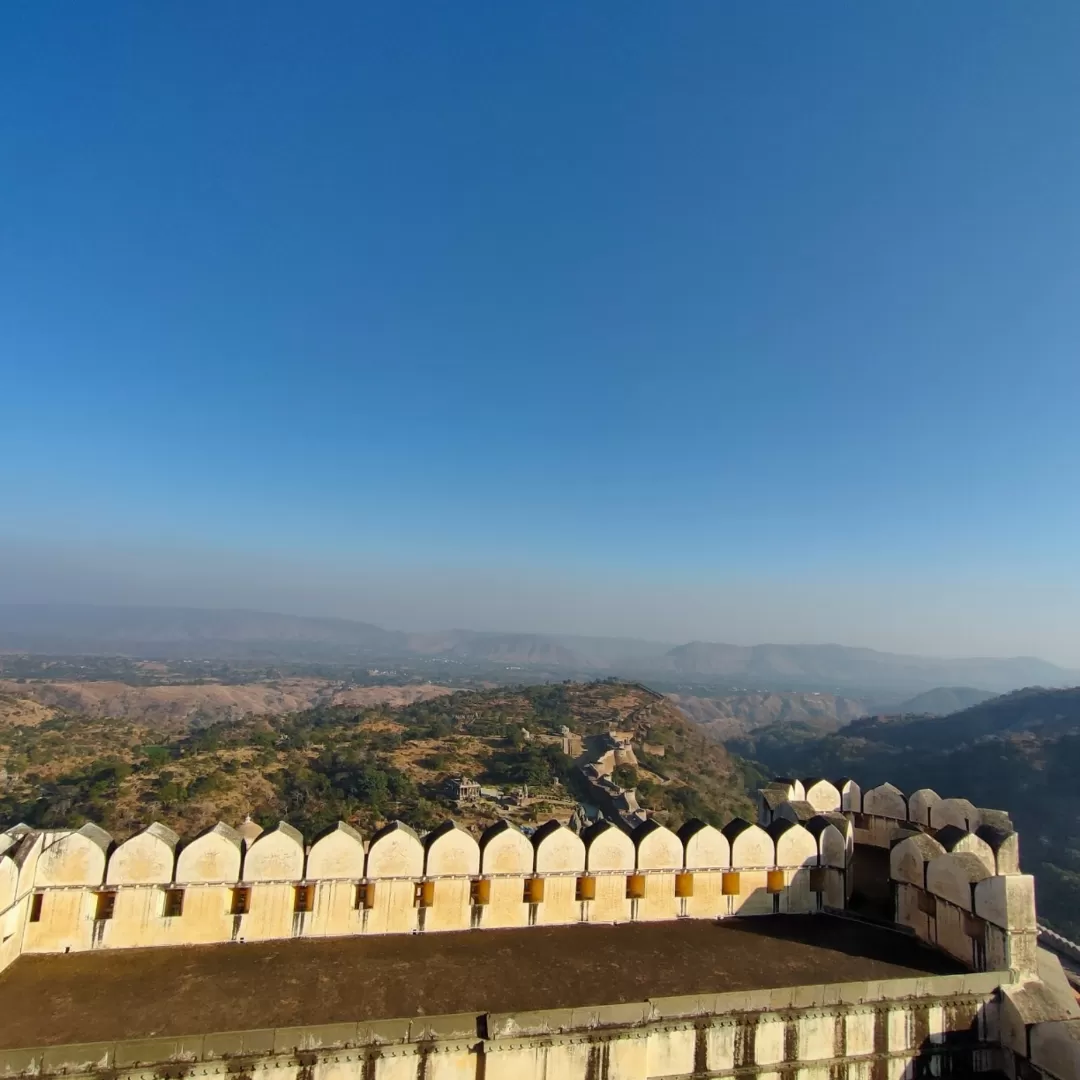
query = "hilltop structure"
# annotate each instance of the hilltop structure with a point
(609, 956)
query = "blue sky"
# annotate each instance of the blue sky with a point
(694, 302)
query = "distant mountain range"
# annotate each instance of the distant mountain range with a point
(178, 633)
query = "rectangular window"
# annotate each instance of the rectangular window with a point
(35, 907)
(424, 896)
(106, 903)
(817, 880)
(635, 886)
(303, 898)
(927, 903)
(480, 891)
(534, 890)
(774, 881)
(241, 901)
(684, 886)
(174, 903)
(729, 883)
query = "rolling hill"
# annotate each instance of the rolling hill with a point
(173, 633)
(364, 764)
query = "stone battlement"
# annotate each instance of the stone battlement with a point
(953, 868)
(65, 891)
(947, 871)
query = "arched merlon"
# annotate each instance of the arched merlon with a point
(705, 847)
(657, 847)
(395, 852)
(450, 851)
(821, 794)
(75, 858)
(953, 877)
(794, 845)
(751, 846)
(505, 850)
(277, 855)
(560, 850)
(214, 855)
(909, 857)
(337, 854)
(608, 848)
(920, 803)
(850, 795)
(885, 801)
(832, 844)
(147, 858)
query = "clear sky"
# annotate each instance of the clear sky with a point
(732, 321)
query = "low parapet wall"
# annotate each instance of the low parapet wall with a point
(883, 1030)
(70, 891)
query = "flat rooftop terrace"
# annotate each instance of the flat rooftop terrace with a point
(139, 993)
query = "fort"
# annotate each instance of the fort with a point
(844, 935)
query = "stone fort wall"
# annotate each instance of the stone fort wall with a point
(76, 890)
(950, 870)
(953, 872)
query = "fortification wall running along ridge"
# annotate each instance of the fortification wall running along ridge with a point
(949, 871)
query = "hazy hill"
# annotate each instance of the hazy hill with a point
(176, 706)
(172, 633)
(841, 665)
(943, 700)
(726, 716)
(168, 631)
(1019, 752)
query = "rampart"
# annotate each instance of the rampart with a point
(949, 872)
(76, 890)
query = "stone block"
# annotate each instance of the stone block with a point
(20, 1062)
(289, 1039)
(1055, 1048)
(601, 1016)
(1007, 900)
(543, 1022)
(77, 1058)
(136, 1052)
(447, 1027)
(686, 1005)
(383, 1032)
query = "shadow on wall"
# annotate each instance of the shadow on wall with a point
(857, 939)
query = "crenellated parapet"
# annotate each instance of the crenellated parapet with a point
(73, 890)
(954, 868)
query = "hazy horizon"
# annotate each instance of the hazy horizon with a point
(430, 599)
(707, 322)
